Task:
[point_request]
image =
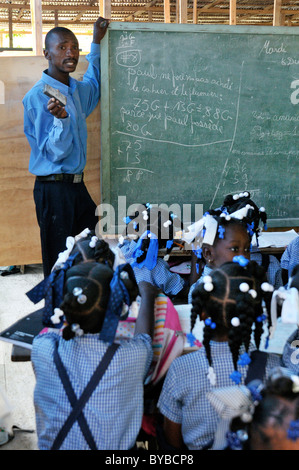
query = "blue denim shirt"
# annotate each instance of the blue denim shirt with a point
(59, 145)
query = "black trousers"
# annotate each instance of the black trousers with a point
(63, 209)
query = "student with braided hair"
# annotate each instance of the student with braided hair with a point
(150, 229)
(84, 247)
(259, 416)
(76, 407)
(228, 231)
(229, 301)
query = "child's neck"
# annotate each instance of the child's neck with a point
(220, 336)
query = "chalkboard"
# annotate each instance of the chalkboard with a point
(191, 113)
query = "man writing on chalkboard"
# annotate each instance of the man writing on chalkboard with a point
(57, 133)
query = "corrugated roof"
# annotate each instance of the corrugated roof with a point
(80, 15)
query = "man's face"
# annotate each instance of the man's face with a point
(62, 53)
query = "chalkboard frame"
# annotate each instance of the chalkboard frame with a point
(157, 27)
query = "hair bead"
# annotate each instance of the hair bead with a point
(81, 299)
(244, 287)
(56, 317)
(208, 286)
(76, 329)
(235, 321)
(266, 287)
(77, 291)
(167, 223)
(253, 293)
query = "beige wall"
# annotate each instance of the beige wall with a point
(19, 232)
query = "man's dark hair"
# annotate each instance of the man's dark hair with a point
(57, 30)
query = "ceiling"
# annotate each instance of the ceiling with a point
(81, 14)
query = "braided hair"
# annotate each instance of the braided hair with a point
(271, 410)
(237, 209)
(253, 216)
(234, 298)
(87, 292)
(91, 247)
(148, 220)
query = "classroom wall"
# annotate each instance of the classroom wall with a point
(19, 231)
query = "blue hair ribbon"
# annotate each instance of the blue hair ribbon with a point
(244, 359)
(293, 431)
(221, 231)
(150, 260)
(169, 244)
(118, 296)
(51, 289)
(236, 377)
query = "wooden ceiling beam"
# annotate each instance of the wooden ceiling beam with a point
(141, 11)
(210, 8)
(277, 16)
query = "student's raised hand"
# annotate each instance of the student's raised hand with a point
(146, 316)
(56, 109)
(99, 29)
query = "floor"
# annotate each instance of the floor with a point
(17, 378)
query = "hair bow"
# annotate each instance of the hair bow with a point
(204, 231)
(150, 260)
(231, 402)
(51, 289)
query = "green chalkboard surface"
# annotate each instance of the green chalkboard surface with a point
(191, 113)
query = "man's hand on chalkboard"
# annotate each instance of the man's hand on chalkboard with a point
(99, 29)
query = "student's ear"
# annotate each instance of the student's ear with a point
(208, 253)
(46, 54)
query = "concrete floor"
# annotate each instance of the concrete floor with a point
(17, 378)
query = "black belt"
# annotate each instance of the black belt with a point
(62, 177)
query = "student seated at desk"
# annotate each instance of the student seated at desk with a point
(224, 233)
(154, 229)
(64, 365)
(229, 301)
(289, 259)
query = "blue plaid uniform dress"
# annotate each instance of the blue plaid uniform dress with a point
(290, 257)
(113, 412)
(183, 397)
(160, 275)
(274, 269)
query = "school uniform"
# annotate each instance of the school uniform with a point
(290, 257)
(160, 276)
(272, 266)
(183, 398)
(115, 409)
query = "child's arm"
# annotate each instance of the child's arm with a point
(146, 317)
(285, 276)
(173, 433)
